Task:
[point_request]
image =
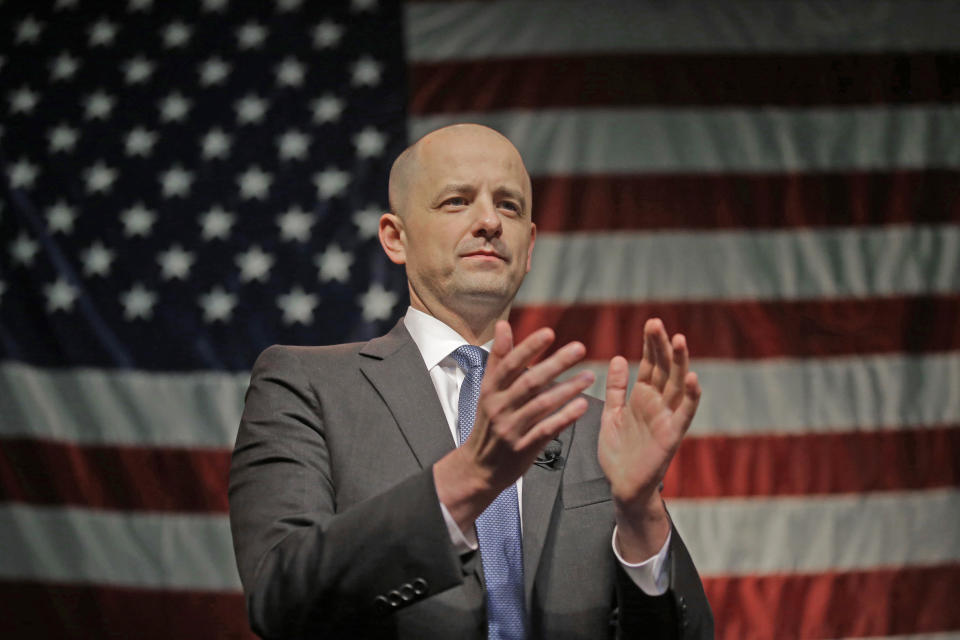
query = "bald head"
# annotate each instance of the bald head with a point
(432, 147)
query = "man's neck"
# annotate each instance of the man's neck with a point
(475, 328)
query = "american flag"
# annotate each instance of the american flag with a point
(187, 183)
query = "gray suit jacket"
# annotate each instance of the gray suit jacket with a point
(338, 531)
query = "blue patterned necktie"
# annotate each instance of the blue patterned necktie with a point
(498, 527)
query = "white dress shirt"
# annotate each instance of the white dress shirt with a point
(436, 342)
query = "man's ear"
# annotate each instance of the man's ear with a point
(392, 238)
(533, 241)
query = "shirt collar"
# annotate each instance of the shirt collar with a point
(433, 338)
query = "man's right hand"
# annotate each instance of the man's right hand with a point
(519, 411)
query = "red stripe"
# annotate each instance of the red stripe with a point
(683, 80)
(729, 201)
(114, 477)
(833, 605)
(44, 610)
(815, 463)
(753, 330)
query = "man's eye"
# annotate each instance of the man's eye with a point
(512, 206)
(455, 202)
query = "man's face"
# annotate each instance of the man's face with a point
(467, 231)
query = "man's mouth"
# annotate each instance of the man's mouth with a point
(484, 254)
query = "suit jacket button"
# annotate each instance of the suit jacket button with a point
(394, 598)
(420, 586)
(381, 605)
(406, 592)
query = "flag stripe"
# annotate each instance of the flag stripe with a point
(801, 535)
(851, 604)
(822, 463)
(749, 329)
(578, 268)
(194, 552)
(118, 477)
(630, 80)
(750, 396)
(475, 30)
(772, 140)
(612, 202)
(195, 480)
(872, 393)
(51, 610)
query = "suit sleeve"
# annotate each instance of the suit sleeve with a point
(305, 566)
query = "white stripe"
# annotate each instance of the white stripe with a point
(739, 397)
(734, 265)
(566, 141)
(113, 548)
(104, 406)
(786, 535)
(473, 30)
(806, 535)
(821, 396)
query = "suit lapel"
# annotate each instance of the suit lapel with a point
(395, 368)
(540, 487)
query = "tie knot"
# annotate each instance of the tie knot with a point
(469, 357)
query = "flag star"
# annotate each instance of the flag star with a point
(175, 262)
(290, 72)
(62, 138)
(216, 223)
(213, 71)
(216, 144)
(102, 33)
(98, 105)
(61, 295)
(377, 303)
(217, 305)
(60, 218)
(176, 181)
(138, 302)
(137, 221)
(297, 306)
(327, 34)
(100, 178)
(176, 34)
(366, 71)
(28, 30)
(331, 182)
(63, 67)
(251, 35)
(24, 249)
(97, 260)
(23, 100)
(295, 224)
(254, 183)
(137, 70)
(139, 5)
(289, 5)
(174, 107)
(254, 265)
(327, 108)
(22, 173)
(214, 6)
(250, 108)
(334, 264)
(368, 221)
(293, 145)
(140, 142)
(363, 5)
(369, 143)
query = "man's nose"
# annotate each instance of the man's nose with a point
(487, 223)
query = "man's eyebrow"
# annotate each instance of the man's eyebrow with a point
(512, 193)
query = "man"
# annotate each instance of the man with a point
(354, 512)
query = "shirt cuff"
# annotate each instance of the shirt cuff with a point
(461, 543)
(651, 575)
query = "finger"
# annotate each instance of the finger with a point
(683, 415)
(645, 371)
(661, 352)
(546, 402)
(551, 426)
(509, 363)
(616, 388)
(533, 380)
(673, 392)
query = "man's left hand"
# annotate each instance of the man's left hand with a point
(639, 436)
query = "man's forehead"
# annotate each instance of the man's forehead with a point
(462, 156)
